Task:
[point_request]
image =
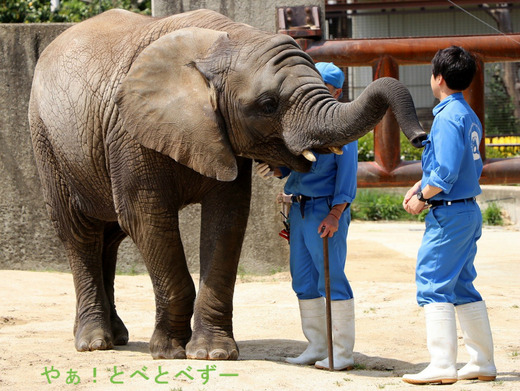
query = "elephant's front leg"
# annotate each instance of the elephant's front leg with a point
(224, 220)
(173, 286)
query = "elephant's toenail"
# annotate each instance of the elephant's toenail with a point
(233, 355)
(180, 355)
(219, 354)
(201, 354)
(98, 344)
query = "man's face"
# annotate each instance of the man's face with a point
(335, 92)
(435, 85)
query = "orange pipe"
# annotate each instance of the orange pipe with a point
(410, 51)
(495, 171)
(387, 148)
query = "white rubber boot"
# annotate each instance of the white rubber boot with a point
(343, 333)
(314, 327)
(441, 337)
(474, 323)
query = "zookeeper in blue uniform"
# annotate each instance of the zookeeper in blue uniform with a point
(321, 200)
(445, 272)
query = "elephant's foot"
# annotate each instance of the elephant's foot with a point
(119, 331)
(163, 346)
(93, 336)
(209, 347)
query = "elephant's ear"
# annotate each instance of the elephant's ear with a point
(168, 105)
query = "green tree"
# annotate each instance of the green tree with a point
(39, 11)
(499, 116)
(366, 148)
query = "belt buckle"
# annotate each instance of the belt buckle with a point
(448, 203)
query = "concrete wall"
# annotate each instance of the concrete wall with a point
(506, 197)
(27, 239)
(260, 14)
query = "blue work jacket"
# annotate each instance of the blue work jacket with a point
(451, 158)
(330, 175)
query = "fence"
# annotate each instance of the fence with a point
(506, 144)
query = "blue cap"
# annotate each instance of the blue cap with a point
(331, 74)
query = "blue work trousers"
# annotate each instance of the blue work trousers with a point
(306, 258)
(445, 271)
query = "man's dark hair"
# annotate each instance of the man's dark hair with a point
(456, 65)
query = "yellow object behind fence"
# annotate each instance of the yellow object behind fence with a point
(508, 145)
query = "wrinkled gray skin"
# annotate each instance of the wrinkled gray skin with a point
(133, 118)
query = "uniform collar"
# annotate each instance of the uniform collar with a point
(446, 101)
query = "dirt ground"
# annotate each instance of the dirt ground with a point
(37, 314)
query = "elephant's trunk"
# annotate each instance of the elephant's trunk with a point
(341, 123)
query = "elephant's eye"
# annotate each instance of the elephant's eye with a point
(268, 104)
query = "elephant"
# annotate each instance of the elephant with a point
(133, 118)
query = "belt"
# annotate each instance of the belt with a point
(435, 203)
(302, 200)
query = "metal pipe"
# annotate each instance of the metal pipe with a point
(387, 148)
(495, 171)
(411, 51)
(388, 5)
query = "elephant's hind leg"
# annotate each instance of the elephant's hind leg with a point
(93, 326)
(82, 238)
(83, 241)
(112, 238)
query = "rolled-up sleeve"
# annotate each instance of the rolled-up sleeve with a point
(346, 176)
(449, 148)
(285, 171)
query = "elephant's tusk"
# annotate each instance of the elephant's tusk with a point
(336, 150)
(309, 155)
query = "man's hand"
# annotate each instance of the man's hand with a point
(410, 193)
(328, 227)
(264, 171)
(414, 205)
(411, 203)
(330, 224)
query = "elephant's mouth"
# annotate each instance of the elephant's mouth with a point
(324, 151)
(300, 164)
(309, 156)
(276, 154)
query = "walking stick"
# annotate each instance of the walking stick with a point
(327, 301)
